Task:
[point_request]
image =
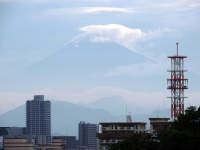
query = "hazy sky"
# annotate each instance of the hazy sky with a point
(84, 50)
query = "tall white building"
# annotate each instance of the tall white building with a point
(38, 119)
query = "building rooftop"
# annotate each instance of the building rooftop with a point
(175, 56)
(39, 97)
(121, 123)
(165, 119)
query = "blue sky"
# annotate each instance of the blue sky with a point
(84, 50)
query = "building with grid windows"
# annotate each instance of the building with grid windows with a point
(38, 119)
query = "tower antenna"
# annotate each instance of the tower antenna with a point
(177, 48)
(177, 83)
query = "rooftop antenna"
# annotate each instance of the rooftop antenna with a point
(128, 117)
(177, 48)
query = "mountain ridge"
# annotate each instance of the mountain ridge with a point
(65, 117)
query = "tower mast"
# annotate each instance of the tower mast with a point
(177, 83)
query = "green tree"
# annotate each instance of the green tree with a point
(136, 142)
(183, 134)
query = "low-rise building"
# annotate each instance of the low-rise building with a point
(157, 125)
(25, 144)
(17, 144)
(12, 131)
(1, 142)
(70, 142)
(114, 132)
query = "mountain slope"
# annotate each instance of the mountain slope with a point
(65, 117)
(81, 65)
(116, 105)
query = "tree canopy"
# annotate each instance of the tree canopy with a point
(183, 134)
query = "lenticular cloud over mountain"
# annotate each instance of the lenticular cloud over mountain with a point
(119, 34)
(116, 33)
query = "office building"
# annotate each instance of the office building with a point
(114, 132)
(38, 119)
(88, 136)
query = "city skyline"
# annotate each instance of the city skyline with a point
(83, 52)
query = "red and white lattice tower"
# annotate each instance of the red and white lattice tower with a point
(177, 83)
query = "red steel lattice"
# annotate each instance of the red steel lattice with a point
(177, 83)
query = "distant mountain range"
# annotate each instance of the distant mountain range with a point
(66, 116)
(117, 106)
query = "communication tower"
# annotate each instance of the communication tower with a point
(177, 83)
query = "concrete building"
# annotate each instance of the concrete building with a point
(114, 132)
(1, 142)
(38, 119)
(25, 144)
(157, 125)
(12, 131)
(17, 144)
(70, 142)
(87, 136)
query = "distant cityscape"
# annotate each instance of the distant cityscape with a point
(91, 136)
(99, 75)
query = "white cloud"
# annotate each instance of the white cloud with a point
(121, 35)
(87, 10)
(54, 1)
(27, 1)
(139, 7)
(116, 33)
(106, 9)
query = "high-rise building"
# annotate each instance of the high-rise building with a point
(88, 136)
(38, 119)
